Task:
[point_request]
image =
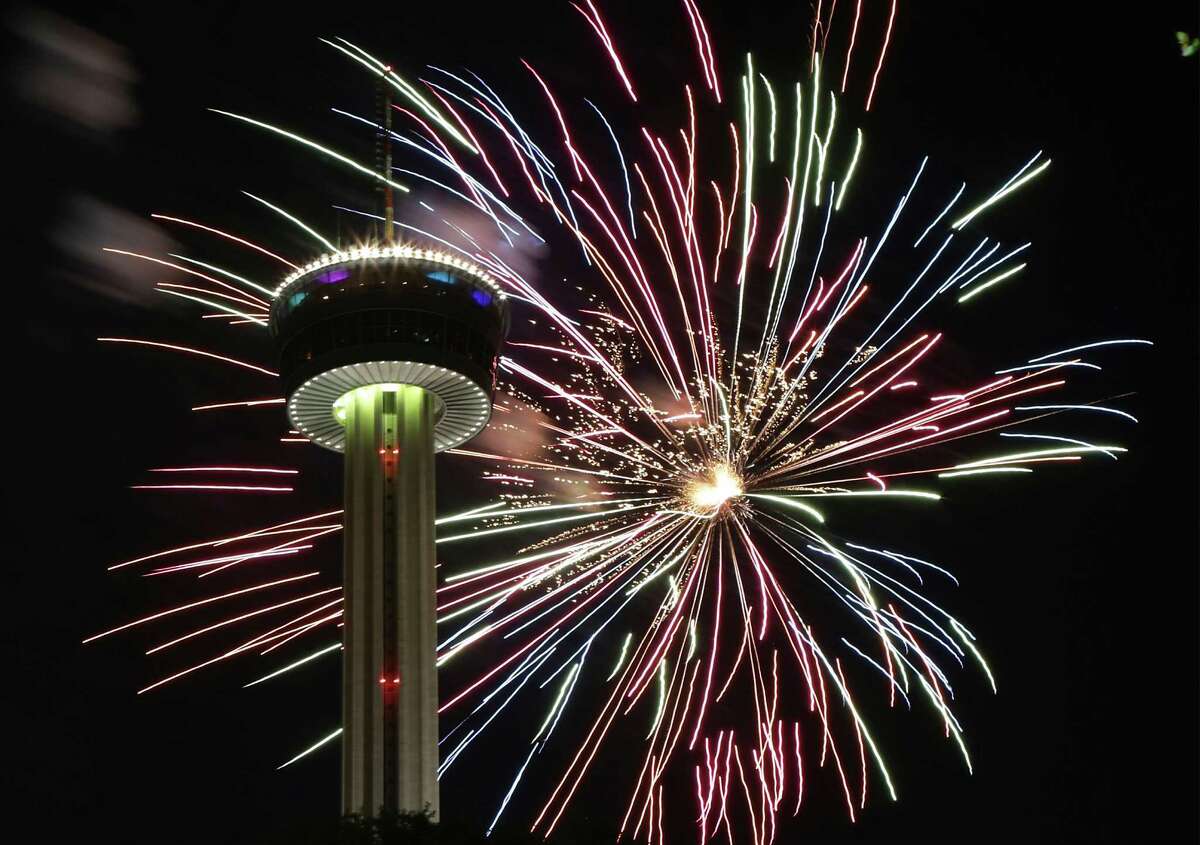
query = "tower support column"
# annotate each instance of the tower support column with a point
(389, 696)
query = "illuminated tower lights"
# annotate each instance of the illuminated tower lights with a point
(388, 354)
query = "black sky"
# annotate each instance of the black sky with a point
(1082, 586)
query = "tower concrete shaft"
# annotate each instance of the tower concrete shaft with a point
(389, 704)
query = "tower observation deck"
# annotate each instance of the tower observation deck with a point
(388, 354)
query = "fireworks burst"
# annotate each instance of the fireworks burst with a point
(673, 438)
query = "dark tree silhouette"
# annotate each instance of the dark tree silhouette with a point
(420, 829)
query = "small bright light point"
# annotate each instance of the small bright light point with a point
(711, 495)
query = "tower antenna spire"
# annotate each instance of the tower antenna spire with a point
(383, 153)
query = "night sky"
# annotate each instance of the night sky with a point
(1081, 585)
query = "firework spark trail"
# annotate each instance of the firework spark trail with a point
(291, 218)
(170, 287)
(592, 16)
(221, 271)
(254, 300)
(191, 605)
(212, 561)
(190, 351)
(227, 236)
(685, 477)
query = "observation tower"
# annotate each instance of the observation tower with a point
(388, 354)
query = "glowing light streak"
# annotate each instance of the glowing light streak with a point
(246, 317)
(978, 289)
(241, 618)
(975, 274)
(999, 195)
(249, 403)
(941, 214)
(298, 663)
(190, 351)
(597, 23)
(212, 561)
(1039, 453)
(409, 91)
(789, 502)
(228, 469)
(226, 235)
(275, 529)
(703, 47)
(488, 511)
(1057, 439)
(558, 700)
(968, 640)
(236, 538)
(1048, 366)
(845, 76)
(511, 789)
(523, 526)
(982, 471)
(771, 133)
(662, 696)
(1123, 342)
(294, 219)
(259, 309)
(478, 635)
(224, 273)
(823, 150)
(887, 37)
(624, 169)
(837, 206)
(312, 748)
(284, 632)
(199, 603)
(183, 269)
(480, 512)
(225, 487)
(314, 531)
(325, 151)
(287, 636)
(1098, 408)
(466, 127)
(747, 194)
